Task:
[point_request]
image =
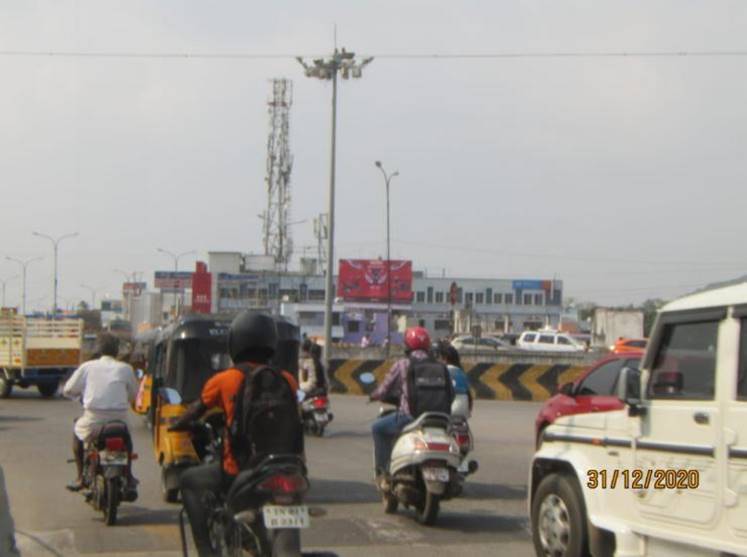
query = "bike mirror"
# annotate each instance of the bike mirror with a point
(367, 378)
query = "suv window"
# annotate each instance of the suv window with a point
(563, 340)
(742, 376)
(636, 343)
(547, 339)
(530, 337)
(602, 380)
(685, 362)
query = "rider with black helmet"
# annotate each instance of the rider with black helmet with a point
(252, 339)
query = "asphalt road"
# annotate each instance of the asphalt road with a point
(490, 518)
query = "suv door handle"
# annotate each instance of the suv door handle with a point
(701, 418)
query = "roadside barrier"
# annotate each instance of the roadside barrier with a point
(492, 381)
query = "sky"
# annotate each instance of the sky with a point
(622, 176)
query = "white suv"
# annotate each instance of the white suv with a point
(668, 474)
(548, 341)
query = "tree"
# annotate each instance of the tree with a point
(650, 308)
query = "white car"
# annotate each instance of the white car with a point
(548, 341)
(666, 475)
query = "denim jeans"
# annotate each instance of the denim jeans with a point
(385, 432)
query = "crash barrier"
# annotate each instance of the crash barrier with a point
(534, 379)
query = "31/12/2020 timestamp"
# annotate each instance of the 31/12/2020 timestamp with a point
(636, 478)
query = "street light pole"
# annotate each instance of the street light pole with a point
(4, 282)
(23, 265)
(92, 290)
(176, 257)
(345, 63)
(55, 244)
(387, 180)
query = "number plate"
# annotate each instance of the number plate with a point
(113, 458)
(436, 474)
(464, 467)
(277, 516)
(322, 417)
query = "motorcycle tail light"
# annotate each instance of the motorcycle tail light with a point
(320, 402)
(115, 444)
(285, 484)
(438, 446)
(462, 439)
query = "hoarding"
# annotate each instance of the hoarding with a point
(173, 281)
(365, 280)
(133, 288)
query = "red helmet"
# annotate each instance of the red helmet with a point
(417, 338)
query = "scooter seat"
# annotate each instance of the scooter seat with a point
(429, 419)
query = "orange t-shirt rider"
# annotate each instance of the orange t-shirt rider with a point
(221, 391)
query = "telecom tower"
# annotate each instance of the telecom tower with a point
(277, 239)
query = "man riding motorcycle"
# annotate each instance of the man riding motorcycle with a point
(107, 387)
(311, 369)
(252, 340)
(387, 428)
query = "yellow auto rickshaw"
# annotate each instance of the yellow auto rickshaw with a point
(185, 355)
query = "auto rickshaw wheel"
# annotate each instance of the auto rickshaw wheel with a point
(170, 495)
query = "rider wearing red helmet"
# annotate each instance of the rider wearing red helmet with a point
(393, 389)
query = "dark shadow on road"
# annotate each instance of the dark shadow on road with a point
(473, 490)
(131, 515)
(19, 418)
(340, 491)
(478, 523)
(343, 434)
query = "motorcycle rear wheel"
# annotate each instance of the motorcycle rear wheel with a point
(111, 501)
(286, 542)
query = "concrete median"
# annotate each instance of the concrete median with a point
(516, 376)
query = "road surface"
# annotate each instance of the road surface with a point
(490, 519)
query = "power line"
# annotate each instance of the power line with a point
(402, 56)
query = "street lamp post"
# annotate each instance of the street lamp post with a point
(55, 244)
(129, 277)
(176, 257)
(23, 265)
(92, 290)
(387, 180)
(345, 63)
(4, 282)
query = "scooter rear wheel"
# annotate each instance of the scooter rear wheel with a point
(427, 511)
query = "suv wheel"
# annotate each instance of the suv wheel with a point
(559, 518)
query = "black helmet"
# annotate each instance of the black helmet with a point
(253, 336)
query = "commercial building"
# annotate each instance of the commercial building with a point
(236, 281)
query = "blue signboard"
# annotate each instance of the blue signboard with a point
(528, 285)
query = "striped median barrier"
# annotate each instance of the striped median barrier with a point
(491, 381)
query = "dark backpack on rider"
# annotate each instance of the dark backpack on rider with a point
(429, 387)
(266, 419)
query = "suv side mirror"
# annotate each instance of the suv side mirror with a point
(566, 389)
(629, 389)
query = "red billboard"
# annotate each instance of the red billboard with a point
(365, 280)
(201, 289)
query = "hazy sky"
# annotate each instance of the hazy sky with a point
(623, 176)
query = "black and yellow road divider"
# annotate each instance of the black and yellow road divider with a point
(501, 381)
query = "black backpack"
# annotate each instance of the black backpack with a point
(429, 387)
(266, 419)
(321, 376)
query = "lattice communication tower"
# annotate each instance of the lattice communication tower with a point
(277, 237)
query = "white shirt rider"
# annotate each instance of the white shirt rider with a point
(105, 385)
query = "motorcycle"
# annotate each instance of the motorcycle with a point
(262, 513)
(425, 467)
(106, 470)
(315, 413)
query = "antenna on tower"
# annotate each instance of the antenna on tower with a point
(276, 231)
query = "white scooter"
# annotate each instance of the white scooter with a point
(424, 468)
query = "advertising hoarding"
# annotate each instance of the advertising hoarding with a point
(201, 289)
(173, 281)
(365, 280)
